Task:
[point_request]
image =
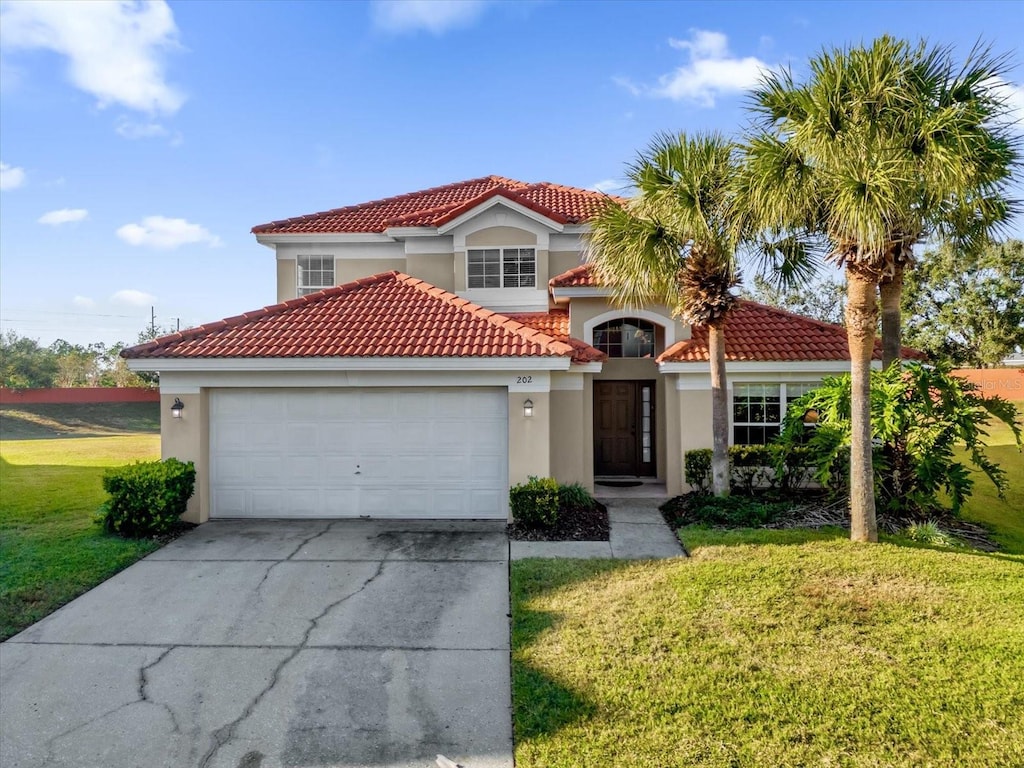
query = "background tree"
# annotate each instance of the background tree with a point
(675, 244)
(967, 309)
(823, 300)
(882, 147)
(25, 364)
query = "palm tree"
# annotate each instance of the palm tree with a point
(675, 243)
(882, 147)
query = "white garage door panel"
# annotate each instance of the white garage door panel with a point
(432, 453)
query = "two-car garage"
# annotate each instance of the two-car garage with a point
(438, 452)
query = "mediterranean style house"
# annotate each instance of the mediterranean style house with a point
(429, 350)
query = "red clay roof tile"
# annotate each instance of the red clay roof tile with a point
(556, 325)
(439, 205)
(386, 315)
(757, 332)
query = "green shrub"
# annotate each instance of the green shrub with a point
(920, 416)
(146, 498)
(732, 511)
(534, 503)
(697, 469)
(574, 496)
(750, 467)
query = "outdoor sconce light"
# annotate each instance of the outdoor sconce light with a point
(528, 408)
(177, 408)
(811, 416)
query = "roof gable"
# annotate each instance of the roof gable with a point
(439, 205)
(386, 315)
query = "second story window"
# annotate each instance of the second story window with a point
(501, 268)
(313, 273)
(628, 337)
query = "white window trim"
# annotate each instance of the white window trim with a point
(299, 288)
(783, 405)
(501, 266)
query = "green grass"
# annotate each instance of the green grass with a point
(771, 648)
(50, 549)
(781, 648)
(33, 422)
(1004, 516)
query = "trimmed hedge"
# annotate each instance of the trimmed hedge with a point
(752, 467)
(146, 498)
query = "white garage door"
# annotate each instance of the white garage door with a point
(431, 453)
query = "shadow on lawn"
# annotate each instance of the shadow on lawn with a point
(541, 704)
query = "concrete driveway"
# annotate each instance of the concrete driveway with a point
(274, 643)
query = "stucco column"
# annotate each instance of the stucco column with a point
(673, 437)
(187, 439)
(529, 437)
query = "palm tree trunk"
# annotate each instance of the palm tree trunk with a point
(719, 410)
(891, 290)
(861, 319)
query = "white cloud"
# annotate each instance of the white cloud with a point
(130, 129)
(1013, 96)
(84, 302)
(11, 177)
(115, 50)
(607, 185)
(134, 298)
(711, 72)
(165, 234)
(64, 216)
(434, 16)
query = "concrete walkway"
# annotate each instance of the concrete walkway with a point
(638, 532)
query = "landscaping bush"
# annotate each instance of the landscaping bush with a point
(751, 467)
(919, 417)
(732, 511)
(146, 498)
(535, 502)
(697, 469)
(928, 532)
(574, 496)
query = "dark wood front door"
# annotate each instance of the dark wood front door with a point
(624, 428)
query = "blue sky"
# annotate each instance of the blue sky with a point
(140, 142)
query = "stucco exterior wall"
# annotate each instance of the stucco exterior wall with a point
(569, 412)
(286, 288)
(188, 439)
(436, 268)
(529, 438)
(583, 309)
(492, 236)
(694, 422)
(347, 270)
(563, 261)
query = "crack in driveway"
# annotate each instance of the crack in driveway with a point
(226, 733)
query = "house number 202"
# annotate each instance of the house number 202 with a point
(524, 379)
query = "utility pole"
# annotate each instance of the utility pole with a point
(152, 320)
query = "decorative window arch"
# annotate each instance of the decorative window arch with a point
(636, 318)
(625, 337)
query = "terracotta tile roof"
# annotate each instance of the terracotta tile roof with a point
(439, 205)
(386, 315)
(577, 277)
(556, 325)
(757, 332)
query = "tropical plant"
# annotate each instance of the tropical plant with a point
(881, 147)
(675, 243)
(920, 415)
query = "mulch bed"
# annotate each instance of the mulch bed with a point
(820, 512)
(572, 525)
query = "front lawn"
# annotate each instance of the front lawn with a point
(799, 649)
(50, 550)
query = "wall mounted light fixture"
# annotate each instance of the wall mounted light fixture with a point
(528, 408)
(177, 408)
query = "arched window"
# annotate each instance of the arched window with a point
(625, 337)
